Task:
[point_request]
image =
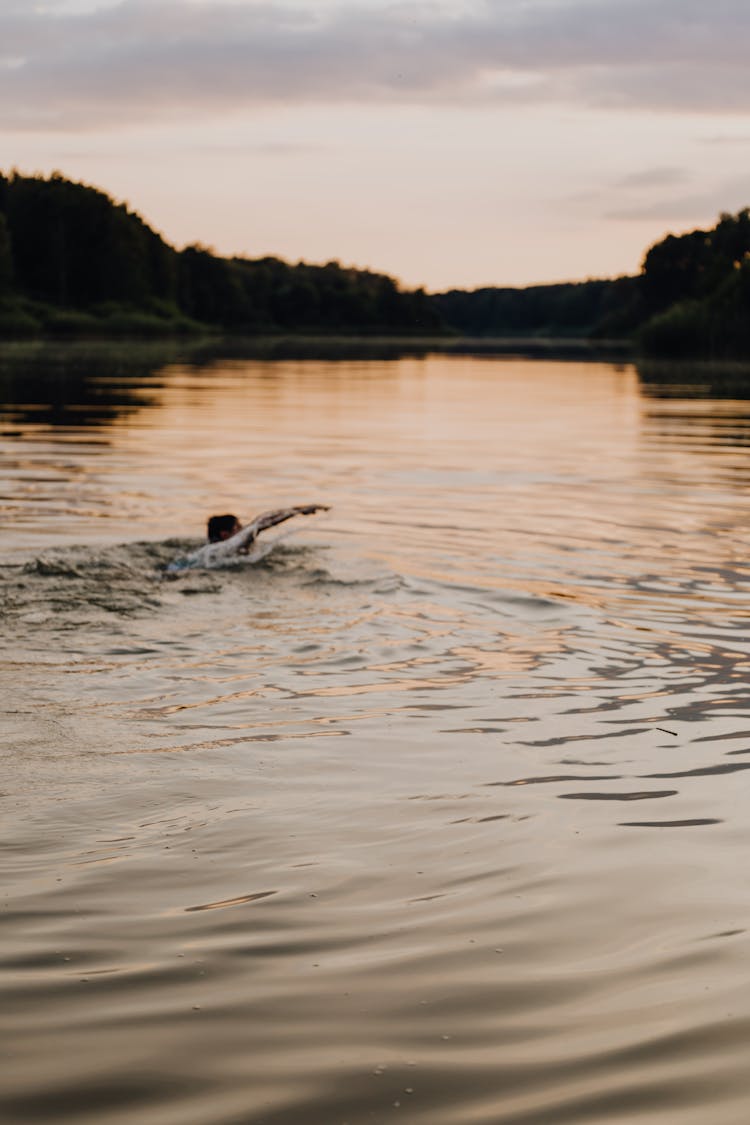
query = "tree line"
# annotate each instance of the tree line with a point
(73, 261)
(691, 298)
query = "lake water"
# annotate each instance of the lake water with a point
(437, 812)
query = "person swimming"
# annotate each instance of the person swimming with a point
(227, 537)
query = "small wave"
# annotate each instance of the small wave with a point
(691, 822)
(52, 568)
(377, 583)
(638, 795)
(69, 583)
(71, 586)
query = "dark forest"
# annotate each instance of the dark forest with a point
(74, 262)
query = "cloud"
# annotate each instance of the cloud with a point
(726, 140)
(653, 177)
(74, 67)
(686, 208)
(728, 195)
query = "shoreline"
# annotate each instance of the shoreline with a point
(242, 345)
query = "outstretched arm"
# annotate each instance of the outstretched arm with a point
(213, 553)
(247, 535)
(270, 519)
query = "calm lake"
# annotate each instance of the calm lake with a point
(438, 811)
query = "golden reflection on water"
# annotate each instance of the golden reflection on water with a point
(436, 810)
(255, 431)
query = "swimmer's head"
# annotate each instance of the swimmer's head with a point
(222, 527)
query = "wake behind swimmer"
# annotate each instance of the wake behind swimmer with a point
(228, 538)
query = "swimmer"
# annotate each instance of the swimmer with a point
(227, 536)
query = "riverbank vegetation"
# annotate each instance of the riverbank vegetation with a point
(691, 298)
(75, 263)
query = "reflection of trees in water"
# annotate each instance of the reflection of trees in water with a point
(307, 347)
(72, 385)
(671, 384)
(94, 383)
(396, 347)
(665, 379)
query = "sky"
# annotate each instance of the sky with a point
(449, 144)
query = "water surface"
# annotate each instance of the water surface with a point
(437, 811)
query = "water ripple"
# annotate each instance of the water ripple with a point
(314, 837)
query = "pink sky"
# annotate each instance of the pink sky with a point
(503, 142)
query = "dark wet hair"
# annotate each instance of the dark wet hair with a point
(219, 524)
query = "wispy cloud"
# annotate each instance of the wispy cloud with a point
(682, 209)
(727, 139)
(653, 177)
(142, 59)
(686, 207)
